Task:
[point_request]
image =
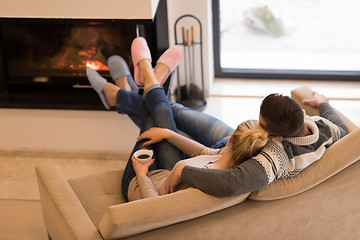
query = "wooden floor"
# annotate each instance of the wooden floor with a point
(231, 101)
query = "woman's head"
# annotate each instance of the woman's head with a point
(248, 140)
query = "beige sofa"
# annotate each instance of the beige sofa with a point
(322, 202)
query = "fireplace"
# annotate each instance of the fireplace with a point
(43, 61)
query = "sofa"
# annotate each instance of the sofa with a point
(322, 202)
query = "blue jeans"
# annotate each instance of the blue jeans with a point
(201, 127)
(155, 111)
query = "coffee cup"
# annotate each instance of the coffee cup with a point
(143, 155)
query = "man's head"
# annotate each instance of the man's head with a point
(281, 116)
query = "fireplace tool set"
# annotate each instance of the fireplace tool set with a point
(190, 73)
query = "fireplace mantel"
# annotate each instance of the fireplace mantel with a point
(80, 9)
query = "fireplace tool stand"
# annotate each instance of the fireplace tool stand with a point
(190, 73)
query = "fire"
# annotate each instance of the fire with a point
(96, 65)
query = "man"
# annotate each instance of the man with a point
(297, 141)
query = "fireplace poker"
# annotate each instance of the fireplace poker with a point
(189, 44)
(185, 61)
(193, 55)
(196, 94)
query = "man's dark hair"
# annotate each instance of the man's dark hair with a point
(282, 115)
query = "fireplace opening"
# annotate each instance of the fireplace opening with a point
(43, 61)
(62, 52)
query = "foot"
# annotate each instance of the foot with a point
(167, 63)
(120, 74)
(161, 72)
(122, 83)
(97, 82)
(139, 51)
(146, 74)
(106, 91)
(110, 91)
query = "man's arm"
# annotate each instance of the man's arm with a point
(247, 177)
(326, 111)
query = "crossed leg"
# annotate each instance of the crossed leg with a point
(148, 77)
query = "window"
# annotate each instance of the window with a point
(302, 39)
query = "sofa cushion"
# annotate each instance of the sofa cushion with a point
(337, 157)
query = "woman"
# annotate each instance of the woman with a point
(246, 141)
(155, 111)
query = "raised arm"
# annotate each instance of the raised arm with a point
(326, 111)
(147, 189)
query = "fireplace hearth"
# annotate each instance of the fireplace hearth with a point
(43, 61)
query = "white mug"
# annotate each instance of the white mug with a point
(143, 155)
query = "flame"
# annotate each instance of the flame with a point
(96, 65)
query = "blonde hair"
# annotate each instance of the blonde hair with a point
(248, 140)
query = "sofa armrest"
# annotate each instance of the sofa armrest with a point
(147, 214)
(64, 216)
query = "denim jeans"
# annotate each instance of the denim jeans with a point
(155, 111)
(201, 127)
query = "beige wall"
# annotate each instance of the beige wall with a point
(91, 130)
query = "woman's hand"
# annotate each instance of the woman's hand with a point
(141, 168)
(154, 135)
